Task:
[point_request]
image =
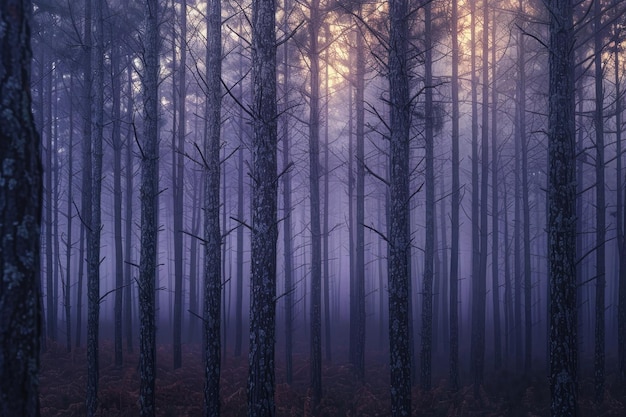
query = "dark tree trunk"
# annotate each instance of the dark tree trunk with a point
(117, 200)
(429, 251)
(359, 283)
(51, 327)
(287, 208)
(178, 179)
(456, 200)
(316, 234)
(600, 209)
(240, 216)
(20, 214)
(621, 312)
(149, 208)
(261, 380)
(399, 235)
(128, 227)
(326, 231)
(523, 140)
(212, 233)
(93, 247)
(70, 201)
(562, 212)
(495, 211)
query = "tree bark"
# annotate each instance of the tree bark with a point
(212, 232)
(179, 185)
(454, 209)
(600, 210)
(399, 235)
(562, 212)
(93, 248)
(261, 379)
(149, 207)
(429, 250)
(20, 217)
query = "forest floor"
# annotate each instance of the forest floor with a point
(179, 392)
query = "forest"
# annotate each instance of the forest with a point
(312, 208)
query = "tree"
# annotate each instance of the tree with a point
(562, 212)
(212, 233)
(454, 249)
(93, 232)
(429, 252)
(20, 214)
(600, 207)
(149, 208)
(261, 379)
(178, 179)
(399, 235)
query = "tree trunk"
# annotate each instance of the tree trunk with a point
(93, 248)
(326, 208)
(399, 235)
(240, 216)
(621, 220)
(261, 380)
(600, 210)
(149, 207)
(179, 191)
(429, 252)
(70, 201)
(20, 214)
(287, 208)
(128, 227)
(316, 235)
(117, 200)
(359, 342)
(562, 212)
(212, 232)
(495, 211)
(525, 200)
(48, 173)
(454, 209)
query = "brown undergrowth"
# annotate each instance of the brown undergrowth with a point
(179, 392)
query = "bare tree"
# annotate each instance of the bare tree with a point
(149, 208)
(399, 235)
(562, 212)
(20, 214)
(261, 374)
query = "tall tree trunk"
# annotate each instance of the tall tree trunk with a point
(86, 157)
(93, 248)
(399, 235)
(562, 212)
(212, 233)
(359, 342)
(70, 201)
(240, 216)
(508, 292)
(600, 209)
(429, 251)
(117, 200)
(517, 235)
(149, 208)
(326, 231)
(261, 379)
(128, 227)
(495, 211)
(316, 235)
(20, 217)
(48, 173)
(525, 200)
(621, 221)
(287, 208)
(179, 191)
(454, 209)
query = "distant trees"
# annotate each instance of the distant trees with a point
(20, 214)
